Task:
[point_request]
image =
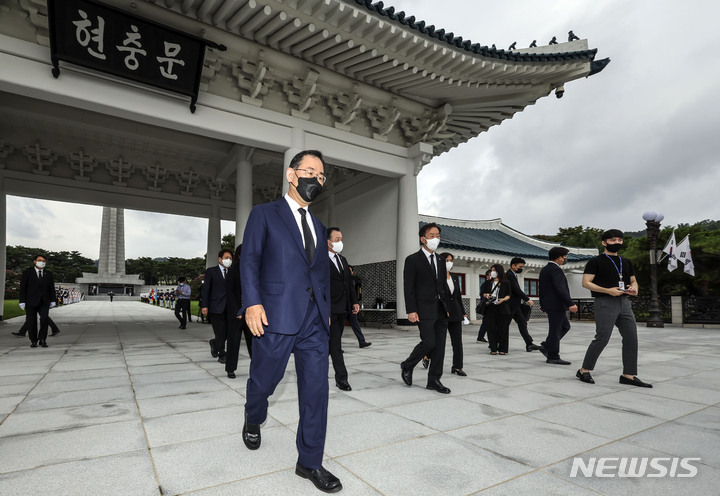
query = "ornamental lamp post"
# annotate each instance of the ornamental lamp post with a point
(652, 221)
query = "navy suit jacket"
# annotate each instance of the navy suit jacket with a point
(275, 272)
(554, 291)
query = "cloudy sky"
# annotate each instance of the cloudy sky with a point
(641, 135)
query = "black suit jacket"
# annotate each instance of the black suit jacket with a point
(553, 288)
(36, 292)
(216, 289)
(422, 290)
(455, 309)
(516, 294)
(342, 294)
(503, 291)
(233, 288)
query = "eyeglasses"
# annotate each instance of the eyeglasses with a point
(311, 173)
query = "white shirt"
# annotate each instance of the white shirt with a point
(223, 270)
(294, 209)
(451, 285)
(429, 256)
(335, 260)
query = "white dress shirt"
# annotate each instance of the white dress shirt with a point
(294, 209)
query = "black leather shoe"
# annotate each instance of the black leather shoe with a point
(231, 375)
(323, 480)
(42, 344)
(425, 362)
(543, 350)
(482, 340)
(365, 344)
(182, 327)
(458, 372)
(557, 361)
(18, 333)
(406, 375)
(221, 359)
(585, 377)
(213, 351)
(532, 347)
(343, 385)
(55, 333)
(634, 382)
(251, 435)
(33, 344)
(436, 385)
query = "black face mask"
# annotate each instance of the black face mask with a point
(519, 271)
(308, 188)
(614, 248)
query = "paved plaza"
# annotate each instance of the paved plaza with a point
(125, 403)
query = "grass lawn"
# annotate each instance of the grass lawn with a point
(11, 309)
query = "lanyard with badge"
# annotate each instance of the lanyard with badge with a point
(621, 283)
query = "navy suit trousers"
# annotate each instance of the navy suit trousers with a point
(271, 353)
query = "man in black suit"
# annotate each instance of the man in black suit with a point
(37, 297)
(342, 301)
(427, 303)
(24, 329)
(517, 295)
(555, 301)
(215, 302)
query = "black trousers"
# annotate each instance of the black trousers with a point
(558, 326)
(337, 323)
(433, 334)
(455, 331)
(519, 317)
(236, 328)
(220, 329)
(182, 311)
(355, 325)
(31, 314)
(498, 329)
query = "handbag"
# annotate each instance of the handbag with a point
(481, 306)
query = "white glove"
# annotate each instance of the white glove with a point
(22, 306)
(52, 304)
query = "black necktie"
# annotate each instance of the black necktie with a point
(40, 274)
(224, 272)
(432, 265)
(307, 236)
(339, 265)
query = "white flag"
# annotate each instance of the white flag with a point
(684, 255)
(671, 251)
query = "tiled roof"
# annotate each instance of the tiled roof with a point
(493, 241)
(477, 48)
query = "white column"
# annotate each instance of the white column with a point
(3, 243)
(331, 212)
(296, 146)
(243, 193)
(407, 235)
(214, 240)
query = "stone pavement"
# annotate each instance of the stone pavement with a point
(124, 403)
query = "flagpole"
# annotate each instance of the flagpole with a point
(652, 221)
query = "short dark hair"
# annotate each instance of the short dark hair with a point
(424, 229)
(612, 233)
(557, 252)
(330, 231)
(181, 279)
(500, 272)
(517, 260)
(223, 252)
(446, 254)
(37, 255)
(295, 162)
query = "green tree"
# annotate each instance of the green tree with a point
(578, 237)
(228, 242)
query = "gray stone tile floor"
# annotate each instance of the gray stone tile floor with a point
(125, 403)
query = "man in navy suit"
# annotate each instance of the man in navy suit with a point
(215, 302)
(555, 301)
(343, 301)
(37, 297)
(286, 297)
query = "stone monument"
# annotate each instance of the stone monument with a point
(111, 265)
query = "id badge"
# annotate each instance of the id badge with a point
(621, 285)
